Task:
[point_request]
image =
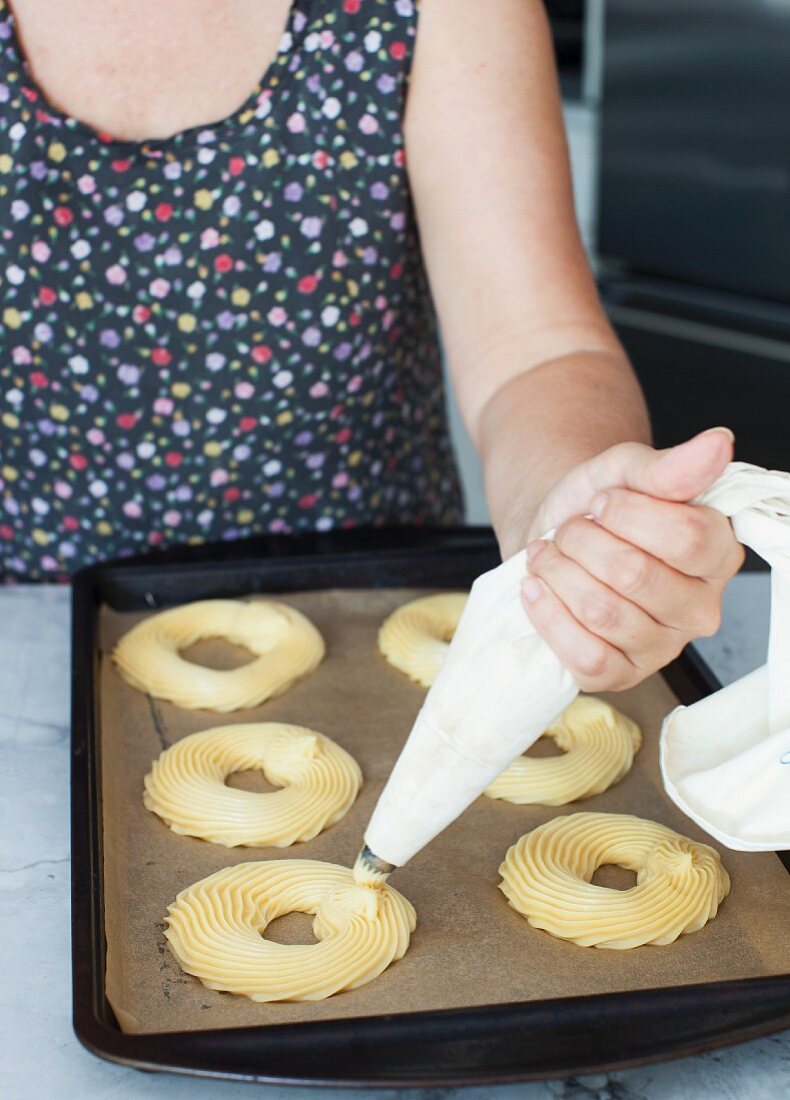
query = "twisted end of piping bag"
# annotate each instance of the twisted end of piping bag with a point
(722, 757)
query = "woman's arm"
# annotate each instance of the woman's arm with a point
(543, 384)
(540, 377)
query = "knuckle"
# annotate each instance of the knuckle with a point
(733, 555)
(636, 573)
(691, 538)
(707, 620)
(570, 536)
(599, 612)
(738, 557)
(592, 663)
(615, 510)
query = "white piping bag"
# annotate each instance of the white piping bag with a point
(725, 761)
(501, 686)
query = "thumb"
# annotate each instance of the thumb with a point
(678, 473)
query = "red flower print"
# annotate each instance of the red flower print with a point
(354, 318)
(247, 423)
(223, 262)
(396, 270)
(231, 493)
(71, 523)
(261, 353)
(121, 165)
(163, 211)
(351, 7)
(236, 166)
(307, 284)
(63, 216)
(320, 159)
(39, 379)
(174, 458)
(47, 296)
(308, 500)
(398, 50)
(141, 314)
(6, 532)
(343, 435)
(78, 462)
(160, 357)
(30, 94)
(126, 420)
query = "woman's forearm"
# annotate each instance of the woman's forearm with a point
(547, 420)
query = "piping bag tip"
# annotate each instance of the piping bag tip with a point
(370, 869)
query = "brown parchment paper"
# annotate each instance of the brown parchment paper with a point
(469, 948)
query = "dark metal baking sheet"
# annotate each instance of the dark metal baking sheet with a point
(460, 1046)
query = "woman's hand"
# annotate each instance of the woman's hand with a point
(617, 596)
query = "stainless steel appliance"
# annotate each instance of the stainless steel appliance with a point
(694, 212)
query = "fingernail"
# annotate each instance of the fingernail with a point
(598, 504)
(532, 589)
(721, 428)
(534, 548)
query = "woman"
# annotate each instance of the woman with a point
(217, 321)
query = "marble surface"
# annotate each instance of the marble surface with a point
(40, 1056)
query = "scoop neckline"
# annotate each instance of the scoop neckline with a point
(64, 121)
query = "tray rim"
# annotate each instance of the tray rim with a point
(715, 1014)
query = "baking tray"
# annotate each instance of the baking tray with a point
(512, 1042)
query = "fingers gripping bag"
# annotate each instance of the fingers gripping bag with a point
(725, 761)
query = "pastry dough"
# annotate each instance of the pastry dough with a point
(415, 638)
(186, 785)
(285, 643)
(598, 744)
(215, 930)
(679, 885)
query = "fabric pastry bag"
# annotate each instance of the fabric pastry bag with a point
(725, 761)
(501, 686)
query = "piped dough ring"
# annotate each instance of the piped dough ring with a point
(415, 637)
(215, 930)
(679, 882)
(598, 743)
(286, 644)
(186, 785)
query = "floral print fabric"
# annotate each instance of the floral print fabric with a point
(224, 333)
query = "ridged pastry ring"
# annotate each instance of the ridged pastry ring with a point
(415, 637)
(679, 882)
(186, 785)
(285, 643)
(598, 744)
(215, 930)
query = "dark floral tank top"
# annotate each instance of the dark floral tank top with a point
(224, 333)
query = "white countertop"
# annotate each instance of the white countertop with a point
(42, 1060)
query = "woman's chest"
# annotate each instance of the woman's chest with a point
(151, 68)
